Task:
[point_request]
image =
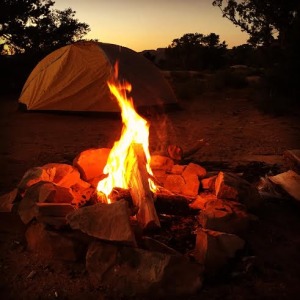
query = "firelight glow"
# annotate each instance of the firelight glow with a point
(135, 131)
(151, 24)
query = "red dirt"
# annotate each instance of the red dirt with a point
(235, 132)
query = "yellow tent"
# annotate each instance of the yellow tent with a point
(74, 78)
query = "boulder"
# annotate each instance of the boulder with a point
(91, 162)
(216, 249)
(127, 272)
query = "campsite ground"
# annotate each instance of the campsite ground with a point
(235, 133)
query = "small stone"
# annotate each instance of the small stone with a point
(194, 169)
(191, 187)
(174, 183)
(208, 183)
(91, 162)
(178, 169)
(161, 162)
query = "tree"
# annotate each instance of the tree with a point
(33, 25)
(194, 51)
(274, 25)
(264, 21)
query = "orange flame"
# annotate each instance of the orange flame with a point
(135, 130)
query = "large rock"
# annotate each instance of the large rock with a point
(54, 245)
(215, 249)
(42, 192)
(231, 186)
(131, 272)
(91, 162)
(104, 221)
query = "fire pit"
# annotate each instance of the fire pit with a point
(146, 225)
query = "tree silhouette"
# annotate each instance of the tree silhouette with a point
(264, 21)
(194, 51)
(34, 26)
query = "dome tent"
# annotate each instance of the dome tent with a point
(74, 78)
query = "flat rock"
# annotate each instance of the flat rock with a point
(288, 181)
(131, 272)
(215, 249)
(230, 186)
(91, 162)
(104, 221)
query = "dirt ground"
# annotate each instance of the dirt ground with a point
(234, 131)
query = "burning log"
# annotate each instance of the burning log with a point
(138, 180)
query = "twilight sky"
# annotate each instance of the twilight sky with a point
(151, 24)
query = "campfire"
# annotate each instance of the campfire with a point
(145, 224)
(128, 163)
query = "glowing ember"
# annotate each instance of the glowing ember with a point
(135, 131)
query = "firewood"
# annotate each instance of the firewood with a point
(138, 181)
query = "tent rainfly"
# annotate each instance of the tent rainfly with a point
(74, 78)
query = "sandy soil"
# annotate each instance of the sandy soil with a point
(234, 131)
